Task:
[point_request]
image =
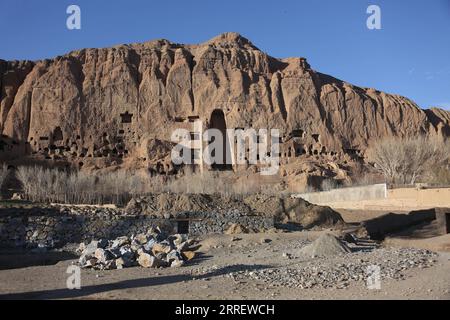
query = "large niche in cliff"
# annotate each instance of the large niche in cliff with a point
(217, 121)
(57, 134)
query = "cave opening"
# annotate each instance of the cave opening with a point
(57, 134)
(218, 121)
(126, 117)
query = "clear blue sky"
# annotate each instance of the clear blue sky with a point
(409, 56)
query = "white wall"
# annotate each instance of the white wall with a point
(372, 192)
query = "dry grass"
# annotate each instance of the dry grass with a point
(52, 185)
(211, 182)
(78, 187)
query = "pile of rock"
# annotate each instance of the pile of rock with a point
(244, 210)
(326, 245)
(154, 249)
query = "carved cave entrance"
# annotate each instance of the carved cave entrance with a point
(217, 121)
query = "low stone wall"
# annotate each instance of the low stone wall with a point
(55, 227)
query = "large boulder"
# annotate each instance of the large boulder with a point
(309, 216)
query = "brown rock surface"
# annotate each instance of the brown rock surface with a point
(119, 105)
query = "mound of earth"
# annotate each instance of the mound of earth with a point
(176, 204)
(325, 246)
(283, 210)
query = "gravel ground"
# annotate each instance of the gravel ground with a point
(238, 267)
(337, 272)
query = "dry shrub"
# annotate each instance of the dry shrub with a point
(440, 175)
(408, 160)
(51, 185)
(78, 187)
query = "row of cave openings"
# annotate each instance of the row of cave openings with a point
(295, 149)
(291, 144)
(115, 146)
(54, 145)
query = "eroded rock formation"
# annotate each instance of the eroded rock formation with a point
(119, 105)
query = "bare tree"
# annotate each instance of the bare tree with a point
(405, 160)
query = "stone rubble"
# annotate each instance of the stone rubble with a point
(325, 245)
(339, 271)
(154, 249)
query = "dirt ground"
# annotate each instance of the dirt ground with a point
(206, 276)
(44, 276)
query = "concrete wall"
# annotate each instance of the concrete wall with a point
(372, 192)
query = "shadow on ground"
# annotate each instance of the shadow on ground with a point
(14, 259)
(392, 223)
(126, 284)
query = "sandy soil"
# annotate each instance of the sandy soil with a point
(205, 277)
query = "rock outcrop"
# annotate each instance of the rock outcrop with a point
(120, 105)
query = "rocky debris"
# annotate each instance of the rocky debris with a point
(310, 216)
(17, 196)
(326, 245)
(340, 271)
(236, 229)
(188, 255)
(148, 261)
(238, 210)
(54, 226)
(175, 205)
(154, 249)
(287, 255)
(57, 225)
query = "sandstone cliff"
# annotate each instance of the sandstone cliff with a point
(120, 104)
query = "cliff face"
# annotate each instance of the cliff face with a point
(109, 105)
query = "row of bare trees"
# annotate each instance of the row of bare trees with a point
(410, 160)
